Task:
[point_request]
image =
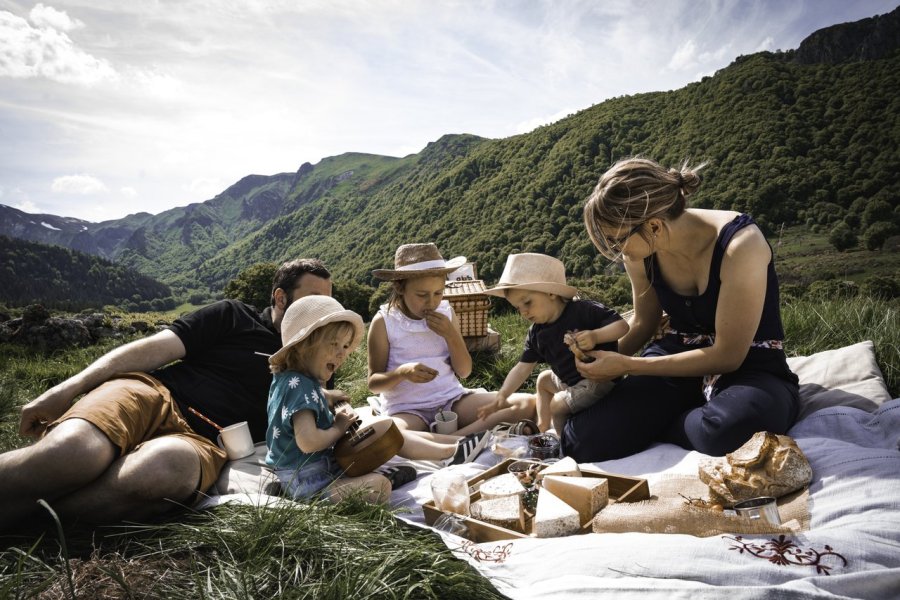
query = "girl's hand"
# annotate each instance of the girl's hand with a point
(606, 367)
(417, 372)
(439, 323)
(344, 417)
(336, 397)
(488, 409)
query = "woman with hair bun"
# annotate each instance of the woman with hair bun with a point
(718, 373)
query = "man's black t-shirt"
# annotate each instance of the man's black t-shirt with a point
(220, 374)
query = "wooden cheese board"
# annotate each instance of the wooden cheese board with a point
(622, 488)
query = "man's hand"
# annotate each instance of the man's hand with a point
(43, 410)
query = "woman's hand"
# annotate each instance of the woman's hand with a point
(417, 372)
(606, 367)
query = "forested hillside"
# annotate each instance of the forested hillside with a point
(57, 277)
(790, 143)
(804, 138)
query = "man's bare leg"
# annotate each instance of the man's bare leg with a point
(159, 477)
(69, 457)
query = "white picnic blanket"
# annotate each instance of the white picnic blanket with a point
(851, 550)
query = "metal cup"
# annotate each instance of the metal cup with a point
(763, 508)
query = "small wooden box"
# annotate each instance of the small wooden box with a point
(470, 304)
(622, 488)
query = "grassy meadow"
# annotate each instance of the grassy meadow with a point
(308, 550)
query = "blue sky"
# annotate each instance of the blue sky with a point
(110, 107)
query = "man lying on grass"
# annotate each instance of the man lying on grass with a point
(142, 441)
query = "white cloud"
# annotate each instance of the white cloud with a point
(28, 206)
(128, 192)
(205, 187)
(78, 184)
(530, 124)
(47, 16)
(47, 51)
(685, 56)
(766, 44)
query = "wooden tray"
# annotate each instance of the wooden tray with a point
(622, 488)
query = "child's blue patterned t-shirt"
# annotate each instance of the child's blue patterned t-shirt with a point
(290, 393)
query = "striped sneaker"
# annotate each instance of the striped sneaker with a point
(399, 475)
(469, 448)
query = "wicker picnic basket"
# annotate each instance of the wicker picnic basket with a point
(470, 304)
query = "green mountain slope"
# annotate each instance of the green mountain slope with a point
(31, 272)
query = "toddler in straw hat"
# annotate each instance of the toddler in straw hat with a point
(417, 353)
(535, 284)
(317, 334)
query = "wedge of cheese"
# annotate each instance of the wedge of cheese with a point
(566, 467)
(553, 517)
(504, 512)
(500, 486)
(587, 495)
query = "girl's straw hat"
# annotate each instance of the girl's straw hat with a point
(309, 313)
(530, 271)
(419, 260)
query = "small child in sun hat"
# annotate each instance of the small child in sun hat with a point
(317, 334)
(417, 354)
(561, 325)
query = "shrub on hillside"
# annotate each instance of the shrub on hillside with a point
(877, 234)
(842, 237)
(832, 289)
(354, 296)
(253, 285)
(880, 287)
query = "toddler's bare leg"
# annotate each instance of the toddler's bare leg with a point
(546, 389)
(559, 411)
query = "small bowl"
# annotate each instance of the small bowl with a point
(763, 508)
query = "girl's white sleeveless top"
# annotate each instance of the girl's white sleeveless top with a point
(410, 340)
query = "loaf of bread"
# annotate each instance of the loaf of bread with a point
(767, 465)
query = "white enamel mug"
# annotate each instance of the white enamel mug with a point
(236, 441)
(445, 422)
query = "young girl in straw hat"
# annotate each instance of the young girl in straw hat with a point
(317, 336)
(535, 284)
(417, 353)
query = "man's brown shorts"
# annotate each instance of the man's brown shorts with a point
(134, 408)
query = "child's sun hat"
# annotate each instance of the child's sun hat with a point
(531, 271)
(418, 260)
(309, 313)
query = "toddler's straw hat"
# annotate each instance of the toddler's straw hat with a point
(309, 313)
(419, 260)
(530, 271)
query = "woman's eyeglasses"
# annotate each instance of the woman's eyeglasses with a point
(617, 243)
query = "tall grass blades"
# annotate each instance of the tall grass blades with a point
(815, 325)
